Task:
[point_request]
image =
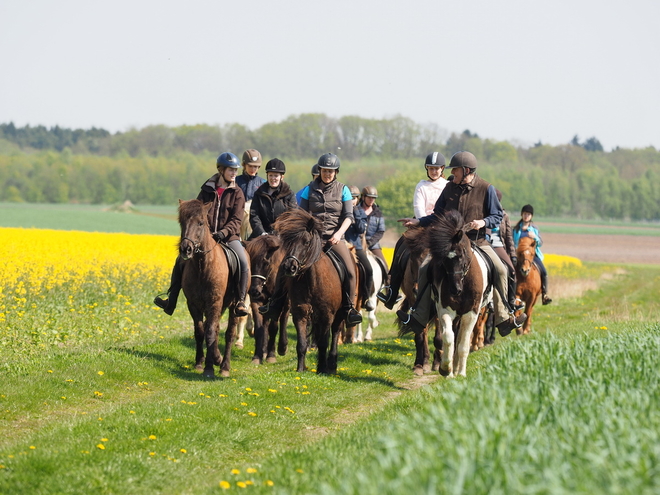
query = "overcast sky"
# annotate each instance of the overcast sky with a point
(512, 70)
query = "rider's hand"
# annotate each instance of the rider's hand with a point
(408, 222)
(476, 224)
(219, 236)
(335, 238)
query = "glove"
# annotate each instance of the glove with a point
(219, 236)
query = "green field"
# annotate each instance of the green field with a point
(117, 407)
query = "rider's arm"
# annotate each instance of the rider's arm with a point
(493, 208)
(419, 201)
(255, 219)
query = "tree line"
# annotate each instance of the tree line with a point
(159, 164)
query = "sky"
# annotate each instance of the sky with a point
(516, 70)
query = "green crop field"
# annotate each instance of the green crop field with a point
(98, 394)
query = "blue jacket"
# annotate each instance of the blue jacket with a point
(375, 228)
(249, 184)
(358, 228)
(532, 232)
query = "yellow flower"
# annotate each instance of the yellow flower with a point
(50, 371)
(235, 471)
(225, 485)
(269, 483)
(101, 373)
(104, 439)
(32, 447)
(100, 446)
(248, 389)
(252, 413)
(299, 470)
(152, 453)
(251, 470)
(241, 484)
(152, 437)
(132, 412)
(272, 390)
(183, 451)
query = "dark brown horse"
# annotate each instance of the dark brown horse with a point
(206, 286)
(314, 287)
(459, 277)
(265, 259)
(528, 279)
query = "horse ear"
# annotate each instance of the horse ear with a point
(180, 202)
(311, 224)
(207, 206)
(458, 236)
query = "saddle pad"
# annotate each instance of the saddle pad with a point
(232, 261)
(339, 264)
(489, 267)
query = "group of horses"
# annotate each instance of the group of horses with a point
(314, 291)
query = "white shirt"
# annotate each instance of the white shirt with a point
(426, 194)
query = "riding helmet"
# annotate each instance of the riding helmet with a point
(435, 159)
(329, 160)
(355, 192)
(227, 159)
(463, 159)
(253, 157)
(528, 209)
(370, 191)
(315, 169)
(276, 165)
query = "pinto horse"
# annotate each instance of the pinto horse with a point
(528, 279)
(372, 320)
(314, 287)
(460, 281)
(205, 283)
(265, 259)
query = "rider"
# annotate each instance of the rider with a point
(273, 198)
(249, 181)
(426, 194)
(477, 201)
(225, 223)
(525, 228)
(502, 241)
(354, 236)
(375, 221)
(331, 202)
(315, 174)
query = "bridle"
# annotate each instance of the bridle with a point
(196, 246)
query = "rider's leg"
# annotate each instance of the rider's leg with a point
(169, 305)
(511, 276)
(388, 295)
(420, 313)
(378, 252)
(368, 283)
(505, 321)
(544, 281)
(353, 317)
(241, 309)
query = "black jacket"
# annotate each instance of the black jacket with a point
(265, 208)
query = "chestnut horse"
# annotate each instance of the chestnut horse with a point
(265, 259)
(314, 287)
(528, 279)
(205, 283)
(460, 279)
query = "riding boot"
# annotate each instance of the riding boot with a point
(240, 309)
(353, 316)
(544, 290)
(513, 300)
(389, 294)
(169, 305)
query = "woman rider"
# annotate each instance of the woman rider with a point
(525, 228)
(375, 222)
(426, 194)
(331, 202)
(354, 236)
(273, 198)
(225, 223)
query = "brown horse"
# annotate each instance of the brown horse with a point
(206, 285)
(314, 287)
(265, 259)
(460, 278)
(528, 279)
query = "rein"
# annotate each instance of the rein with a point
(196, 245)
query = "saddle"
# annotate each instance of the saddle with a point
(383, 267)
(233, 263)
(338, 263)
(490, 268)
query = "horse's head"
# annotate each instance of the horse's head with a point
(264, 262)
(525, 254)
(194, 227)
(457, 262)
(300, 233)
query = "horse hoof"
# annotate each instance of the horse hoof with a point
(199, 367)
(224, 374)
(271, 359)
(238, 345)
(282, 350)
(256, 361)
(418, 370)
(445, 373)
(427, 368)
(209, 374)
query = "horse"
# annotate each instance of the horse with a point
(409, 290)
(245, 322)
(371, 315)
(528, 280)
(459, 277)
(265, 259)
(314, 287)
(206, 284)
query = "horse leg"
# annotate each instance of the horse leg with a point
(211, 327)
(332, 356)
(198, 325)
(359, 336)
(259, 336)
(301, 321)
(229, 339)
(271, 339)
(321, 333)
(466, 326)
(240, 331)
(437, 345)
(283, 342)
(373, 323)
(421, 352)
(446, 361)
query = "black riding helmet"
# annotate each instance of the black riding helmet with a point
(329, 160)
(315, 169)
(276, 165)
(528, 209)
(435, 159)
(464, 160)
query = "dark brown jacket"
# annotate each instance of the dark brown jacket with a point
(226, 215)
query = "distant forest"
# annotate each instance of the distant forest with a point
(160, 164)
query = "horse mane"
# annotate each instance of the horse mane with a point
(298, 226)
(441, 233)
(188, 209)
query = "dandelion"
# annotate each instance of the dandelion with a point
(248, 389)
(104, 439)
(32, 447)
(100, 446)
(252, 413)
(272, 390)
(249, 482)
(101, 373)
(243, 403)
(183, 451)
(241, 484)
(152, 437)
(98, 394)
(63, 398)
(131, 412)
(152, 454)
(225, 485)
(299, 470)
(235, 471)
(251, 470)
(50, 371)
(269, 483)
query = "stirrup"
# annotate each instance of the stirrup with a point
(384, 296)
(240, 309)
